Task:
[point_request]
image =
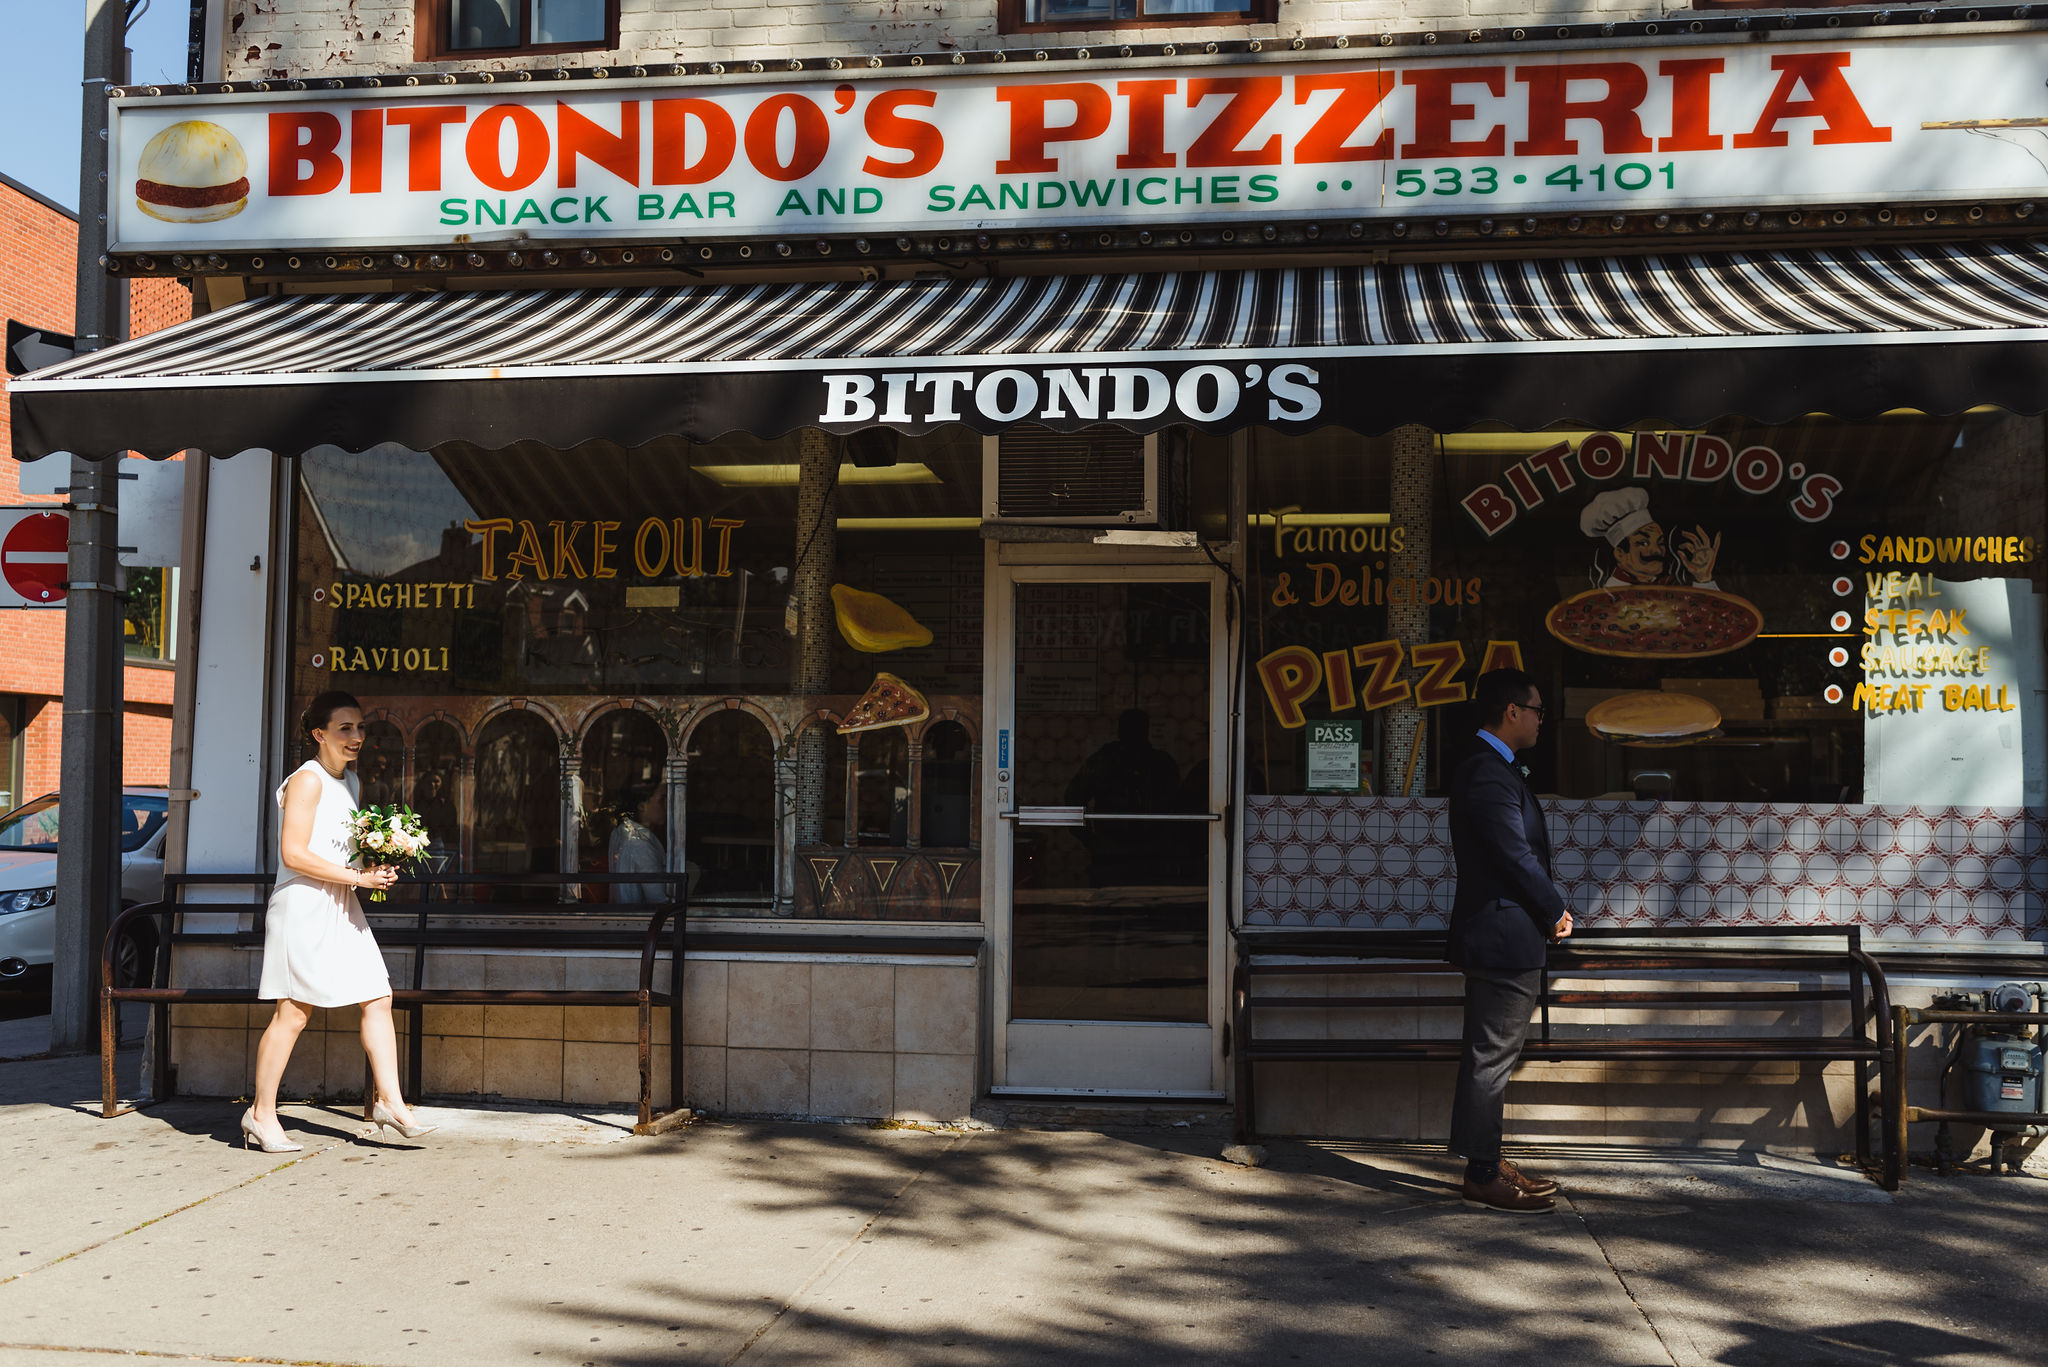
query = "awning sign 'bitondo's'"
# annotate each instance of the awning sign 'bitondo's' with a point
(1344, 136)
(1606, 341)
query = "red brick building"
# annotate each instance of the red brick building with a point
(38, 255)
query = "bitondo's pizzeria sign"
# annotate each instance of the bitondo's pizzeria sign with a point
(1681, 125)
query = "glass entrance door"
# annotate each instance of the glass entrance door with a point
(1110, 814)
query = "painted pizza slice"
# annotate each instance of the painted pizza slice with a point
(888, 702)
(1655, 622)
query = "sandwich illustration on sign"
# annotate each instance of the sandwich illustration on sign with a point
(1654, 718)
(192, 172)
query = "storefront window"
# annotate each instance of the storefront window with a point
(550, 627)
(1023, 15)
(1710, 614)
(380, 768)
(518, 812)
(948, 784)
(883, 788)
(625, 785)
(146, 606)
(732, 810)
(1796, 624)
(10, 752)
(437, 770)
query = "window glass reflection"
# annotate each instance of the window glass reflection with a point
(882, 788)
(625, 796)
(568, 21)
(437, 769)
(731, 821)
(518, 802)
(380, 767)
(483, 24)
(947, 785)
(629, 598)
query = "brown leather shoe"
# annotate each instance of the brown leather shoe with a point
(1535, 1186)
(1502, 1194)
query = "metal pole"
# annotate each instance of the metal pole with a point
(1895, 1117)
(89, 852)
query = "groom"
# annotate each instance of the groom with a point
(1507, 910)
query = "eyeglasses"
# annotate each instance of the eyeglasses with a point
(1536, 707)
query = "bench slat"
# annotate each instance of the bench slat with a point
(1759, 1050)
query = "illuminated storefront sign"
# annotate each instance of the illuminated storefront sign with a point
(1754, 123)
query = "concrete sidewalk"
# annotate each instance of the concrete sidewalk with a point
(527, 1236)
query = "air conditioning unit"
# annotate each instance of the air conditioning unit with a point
(1097, 477)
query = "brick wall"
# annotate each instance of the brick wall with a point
(280, 38)
(38, 252)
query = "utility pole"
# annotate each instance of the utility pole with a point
(88, 846)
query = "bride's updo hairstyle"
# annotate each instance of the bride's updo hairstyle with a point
(321, 710)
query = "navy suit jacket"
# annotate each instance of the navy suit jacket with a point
(1507, 904)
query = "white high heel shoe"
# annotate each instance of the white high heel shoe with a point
(252, 1136)
(379, 1115)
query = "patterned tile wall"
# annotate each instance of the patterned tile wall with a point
(1936, 874)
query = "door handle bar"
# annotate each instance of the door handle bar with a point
(1074, 816)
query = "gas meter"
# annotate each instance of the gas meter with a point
(1999, 1068)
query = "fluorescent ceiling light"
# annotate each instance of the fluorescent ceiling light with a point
(909, 524)
(785, 476)
(1319, 519)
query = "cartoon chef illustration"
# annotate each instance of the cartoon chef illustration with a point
(1641, 553)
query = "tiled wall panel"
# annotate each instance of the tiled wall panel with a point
(1936, 874)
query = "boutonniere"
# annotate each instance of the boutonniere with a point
(1524, 768)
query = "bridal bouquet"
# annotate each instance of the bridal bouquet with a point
(386, 835)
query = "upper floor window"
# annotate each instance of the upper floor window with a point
(1024, 16)
(450, 28)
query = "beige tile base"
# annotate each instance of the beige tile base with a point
(850, 1041)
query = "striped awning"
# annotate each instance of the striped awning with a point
(1604, 341)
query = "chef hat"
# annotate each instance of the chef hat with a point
(1616, 514)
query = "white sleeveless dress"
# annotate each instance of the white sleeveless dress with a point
(317, 948)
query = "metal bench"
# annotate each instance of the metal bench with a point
(420, 926)
(1852, 976)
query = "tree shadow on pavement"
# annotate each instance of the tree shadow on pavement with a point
(1139, 1248)
(1871, 1343)
(1084, 1248)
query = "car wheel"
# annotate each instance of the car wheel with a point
(134, 957)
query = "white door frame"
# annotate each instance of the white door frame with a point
(1147, 1048)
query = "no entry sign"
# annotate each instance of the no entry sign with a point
(34, 557)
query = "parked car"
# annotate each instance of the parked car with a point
(28, 883)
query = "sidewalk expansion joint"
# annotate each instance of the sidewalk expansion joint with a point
(843, 1253)
(159, 1219)
(173, 1355)
(1620, 1279)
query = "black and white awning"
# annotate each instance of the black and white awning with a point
(1603, 341)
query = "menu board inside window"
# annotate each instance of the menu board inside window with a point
(663, 661)
(1824, 611)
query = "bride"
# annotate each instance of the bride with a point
(317, 948)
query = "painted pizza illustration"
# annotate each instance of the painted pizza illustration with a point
(1655, 622)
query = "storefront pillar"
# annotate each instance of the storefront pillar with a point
(465, 802)
(913, 765)
(572, 809)
(1403, 768)
(676, 773)
(817, 551)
